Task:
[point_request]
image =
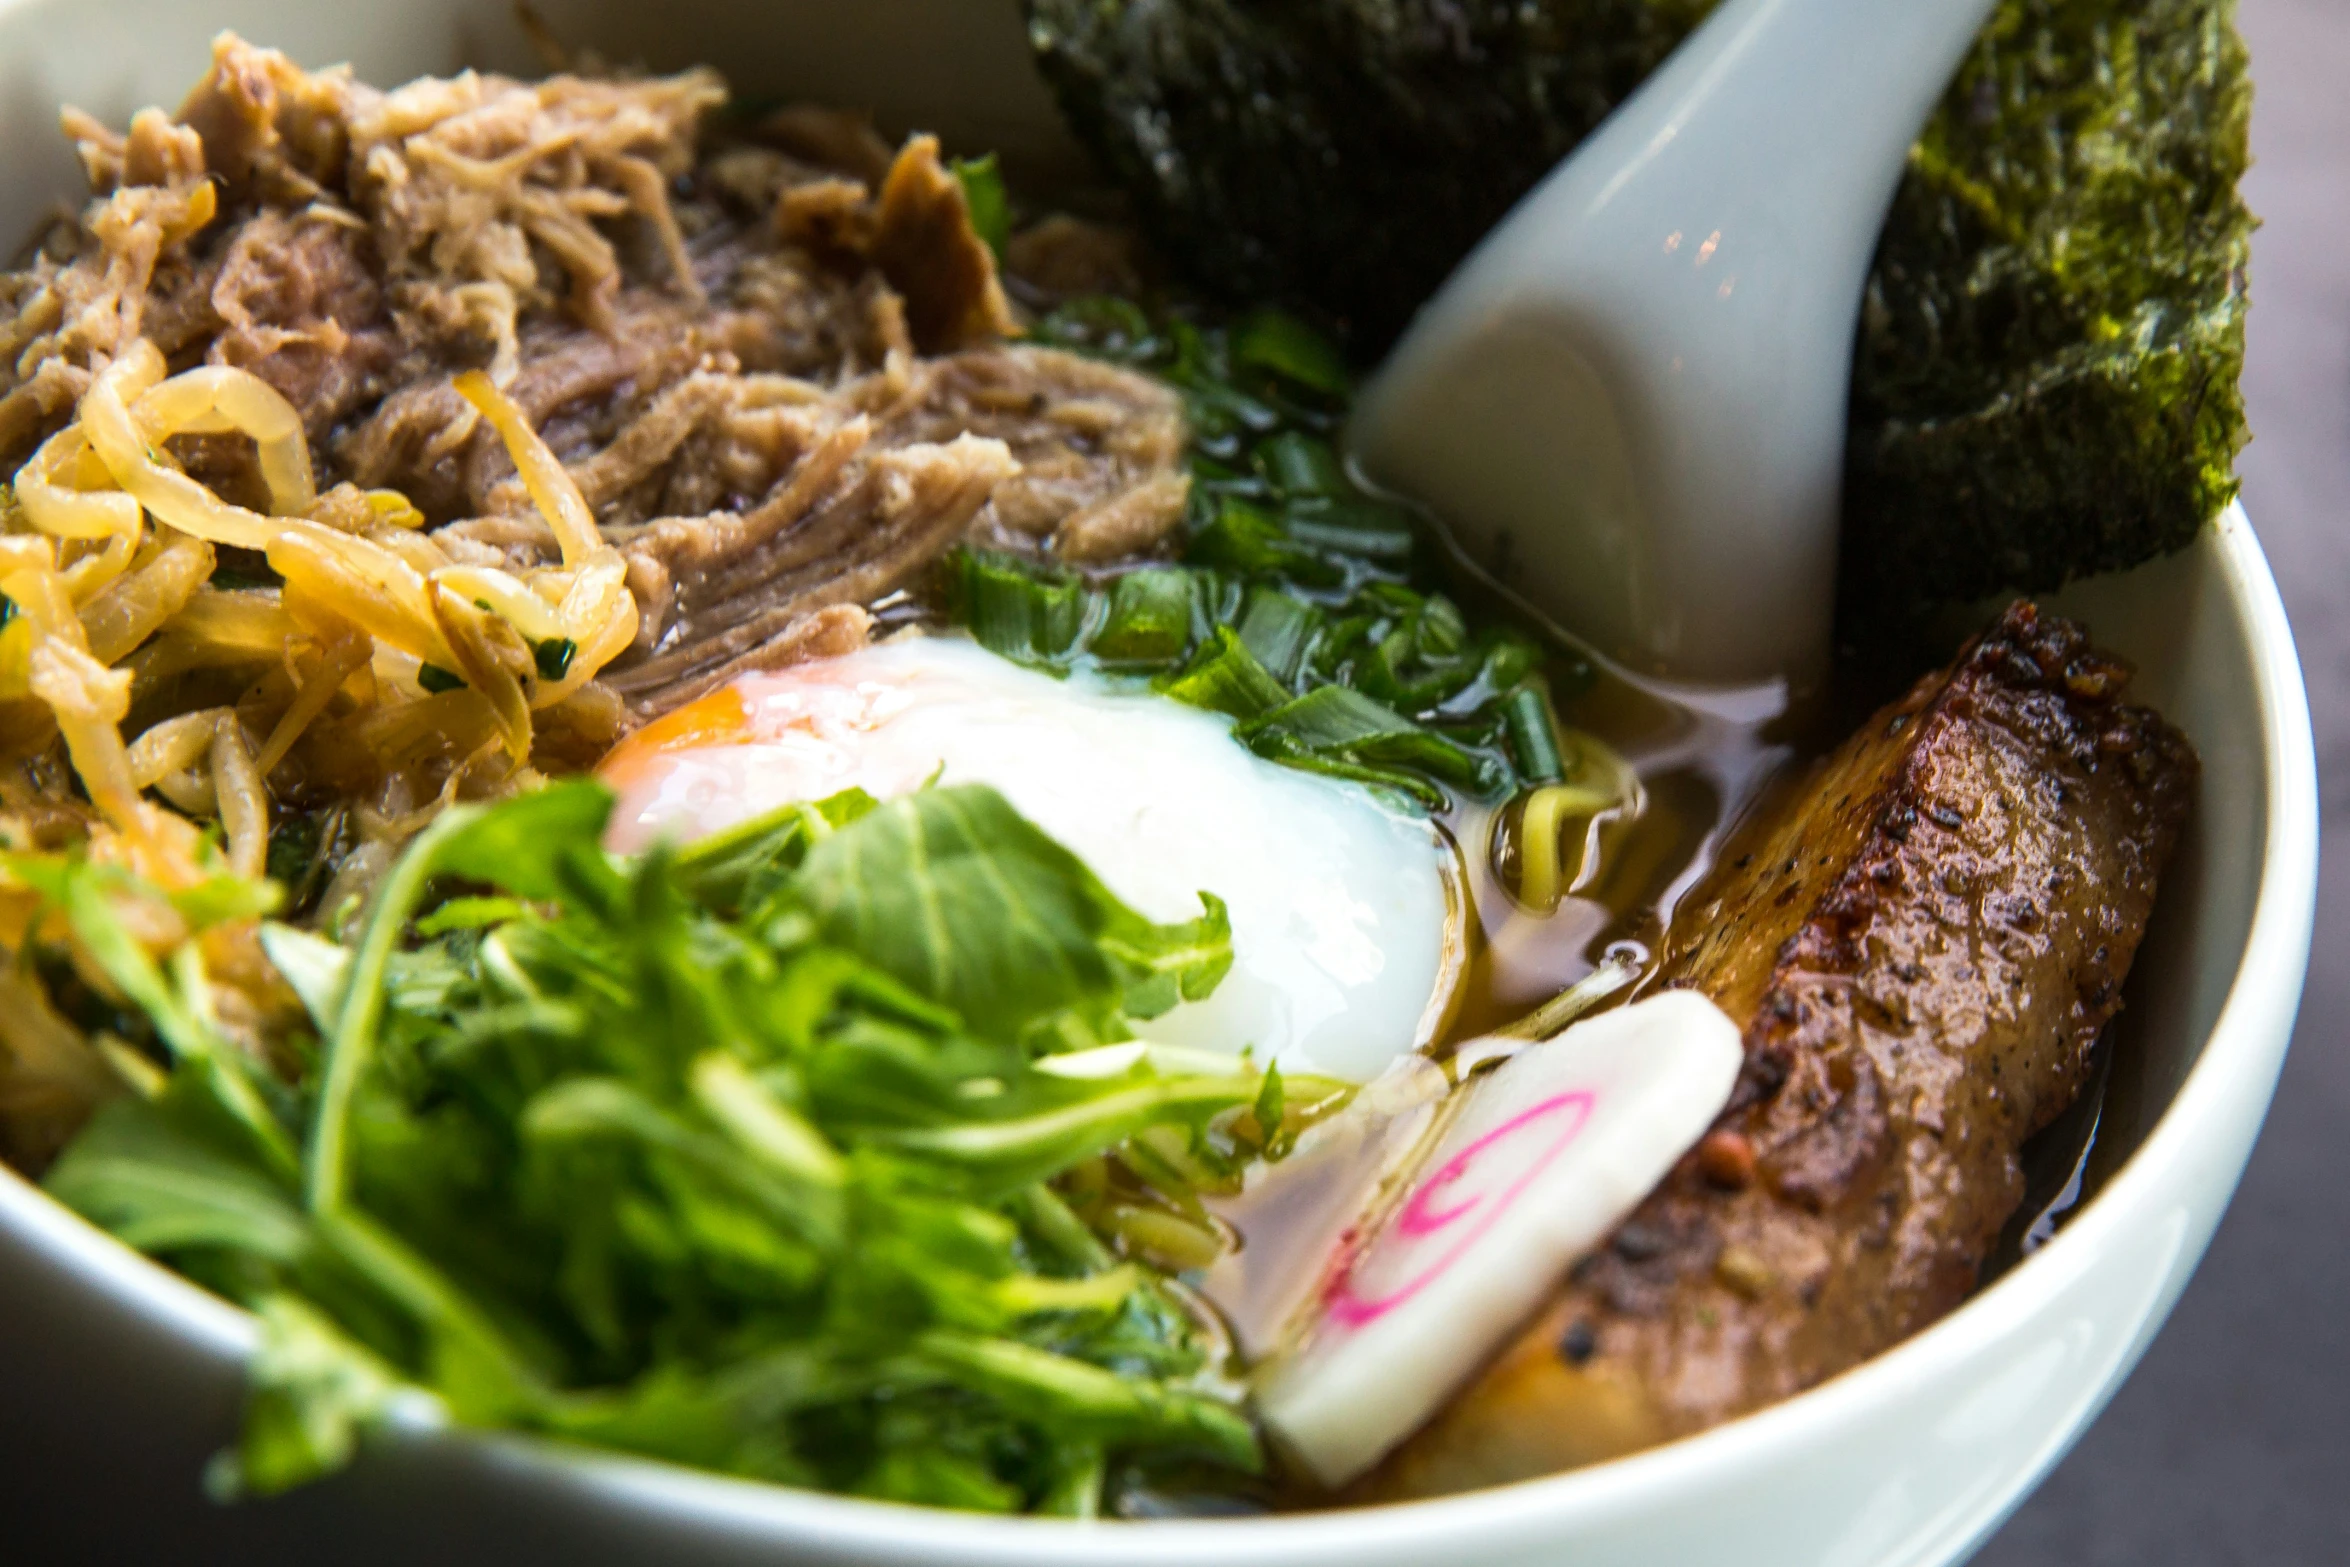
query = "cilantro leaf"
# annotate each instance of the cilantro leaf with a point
(740, 1155)
(953, 893)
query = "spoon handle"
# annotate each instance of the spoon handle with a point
(1630, 400)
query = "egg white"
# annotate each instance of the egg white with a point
(1339, 906)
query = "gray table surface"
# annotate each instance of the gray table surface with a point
(2231, 1444)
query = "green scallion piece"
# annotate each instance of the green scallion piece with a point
(1340, 724)
(1440, 631)
(1027, 615)
(984, 195)
(553, 657)
(1280, 344)
(1103, 324)
(1149, 618)
(1245, 538)
(1338, 532)
(1301, 466)
(1533, 733)
(1279, 629)
(436, 679)
(1225, 677)
(1511, 661)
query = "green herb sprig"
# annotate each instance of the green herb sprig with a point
(741, 1155)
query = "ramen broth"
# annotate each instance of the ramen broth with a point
(1701, 758)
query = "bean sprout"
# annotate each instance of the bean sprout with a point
(216, 400)
(435, 662)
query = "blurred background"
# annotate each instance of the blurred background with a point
(2231, 1444)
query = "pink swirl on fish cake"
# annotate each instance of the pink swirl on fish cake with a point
(1422, 1216)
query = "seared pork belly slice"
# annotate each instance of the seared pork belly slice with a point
(1921, 945)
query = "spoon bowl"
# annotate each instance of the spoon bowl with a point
(1629, 401)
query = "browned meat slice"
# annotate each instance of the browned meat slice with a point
(869, 518)
(1921, 947)
(299, 305)
(925, 245)
(90, 291)
(469, 180)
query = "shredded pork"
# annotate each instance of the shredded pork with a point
(370, 451)
(778, 365)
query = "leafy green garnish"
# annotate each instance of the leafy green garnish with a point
(553, 657)
(954, 894)
(1020, 609)
(1295, 580)
(984, 195)
(733, 1155)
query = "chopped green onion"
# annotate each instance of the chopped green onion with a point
(1028, 616)
(1511, 661)
(1337, 532)
(1299, 465)
(1293, 576)
(1225, 677)
(1218, 478)
(436, 679)
(1149, 618)
(1104, 324)
(1331, 718)
(1440, 631)
(1340, 724)
(553, 657)
(1246, 538)
(1281, 344)
(1278, 629)
(1533, 734)
(1406, 786)
(984, 196)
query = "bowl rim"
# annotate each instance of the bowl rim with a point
(2235, 1072)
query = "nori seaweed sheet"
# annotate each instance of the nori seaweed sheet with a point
(2045, 377)
(2045, 380)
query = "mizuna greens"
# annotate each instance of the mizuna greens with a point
(817, 1152)
(797, 1154)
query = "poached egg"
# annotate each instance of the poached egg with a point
(1343, 952)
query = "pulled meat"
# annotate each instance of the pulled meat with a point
(782, 370)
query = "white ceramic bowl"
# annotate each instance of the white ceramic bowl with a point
(1907, 1461)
